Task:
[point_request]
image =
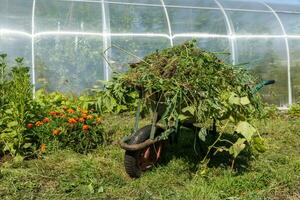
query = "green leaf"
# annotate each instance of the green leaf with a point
(91, 188)
(259, 144)
(231, 118)
(234, 99)
(246, 129)
(197, 125)
(27, 145)
(237, 147)
(8, 111)
(133, 95)
(9, 147)
(190, 109)
(18, 158)
(166, 133)
(12, 124)
(182, 117)
(202, 134)
(245, 101)
(100, 189)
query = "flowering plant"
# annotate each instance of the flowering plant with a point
(68, 127)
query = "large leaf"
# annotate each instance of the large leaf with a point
(234, 99)
(12, 124)
(259, 144)
(9, 111)
(202, 134)
(246, 129)
(182, 117)
(237, 147)
(190, 109)
(245, 101)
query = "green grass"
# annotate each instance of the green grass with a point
(274, 174)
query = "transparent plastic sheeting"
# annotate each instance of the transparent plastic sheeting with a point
(72, 45)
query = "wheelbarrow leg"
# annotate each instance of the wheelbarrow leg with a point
(153, 127)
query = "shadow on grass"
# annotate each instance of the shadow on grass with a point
(189, 148)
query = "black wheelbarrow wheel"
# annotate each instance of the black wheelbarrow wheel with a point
(144, 159)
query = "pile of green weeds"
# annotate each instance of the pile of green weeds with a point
(189, 84)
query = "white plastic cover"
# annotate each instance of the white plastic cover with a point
(67, 43)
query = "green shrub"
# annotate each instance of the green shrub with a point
(16, 105)
(271, 111)
(294, 110)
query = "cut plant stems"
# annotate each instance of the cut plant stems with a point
(185, 83)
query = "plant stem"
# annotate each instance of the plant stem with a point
(216, 141)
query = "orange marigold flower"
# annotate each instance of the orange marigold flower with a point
(84, 115)
(90, 117)
(56, 132)
(85, 127)
(46, 120)
(81, 120)
(39, 123)
(43, 148)
(53, 113)
(30, 125)
(71, 111)
(72, 121)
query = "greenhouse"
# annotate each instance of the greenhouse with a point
(72, 44)
(150, 99)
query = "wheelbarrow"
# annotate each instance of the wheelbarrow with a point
(146, 146)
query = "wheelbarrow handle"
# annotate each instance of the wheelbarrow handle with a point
(261, 85)
(268, 82)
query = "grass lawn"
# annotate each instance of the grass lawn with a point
(274, 174)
